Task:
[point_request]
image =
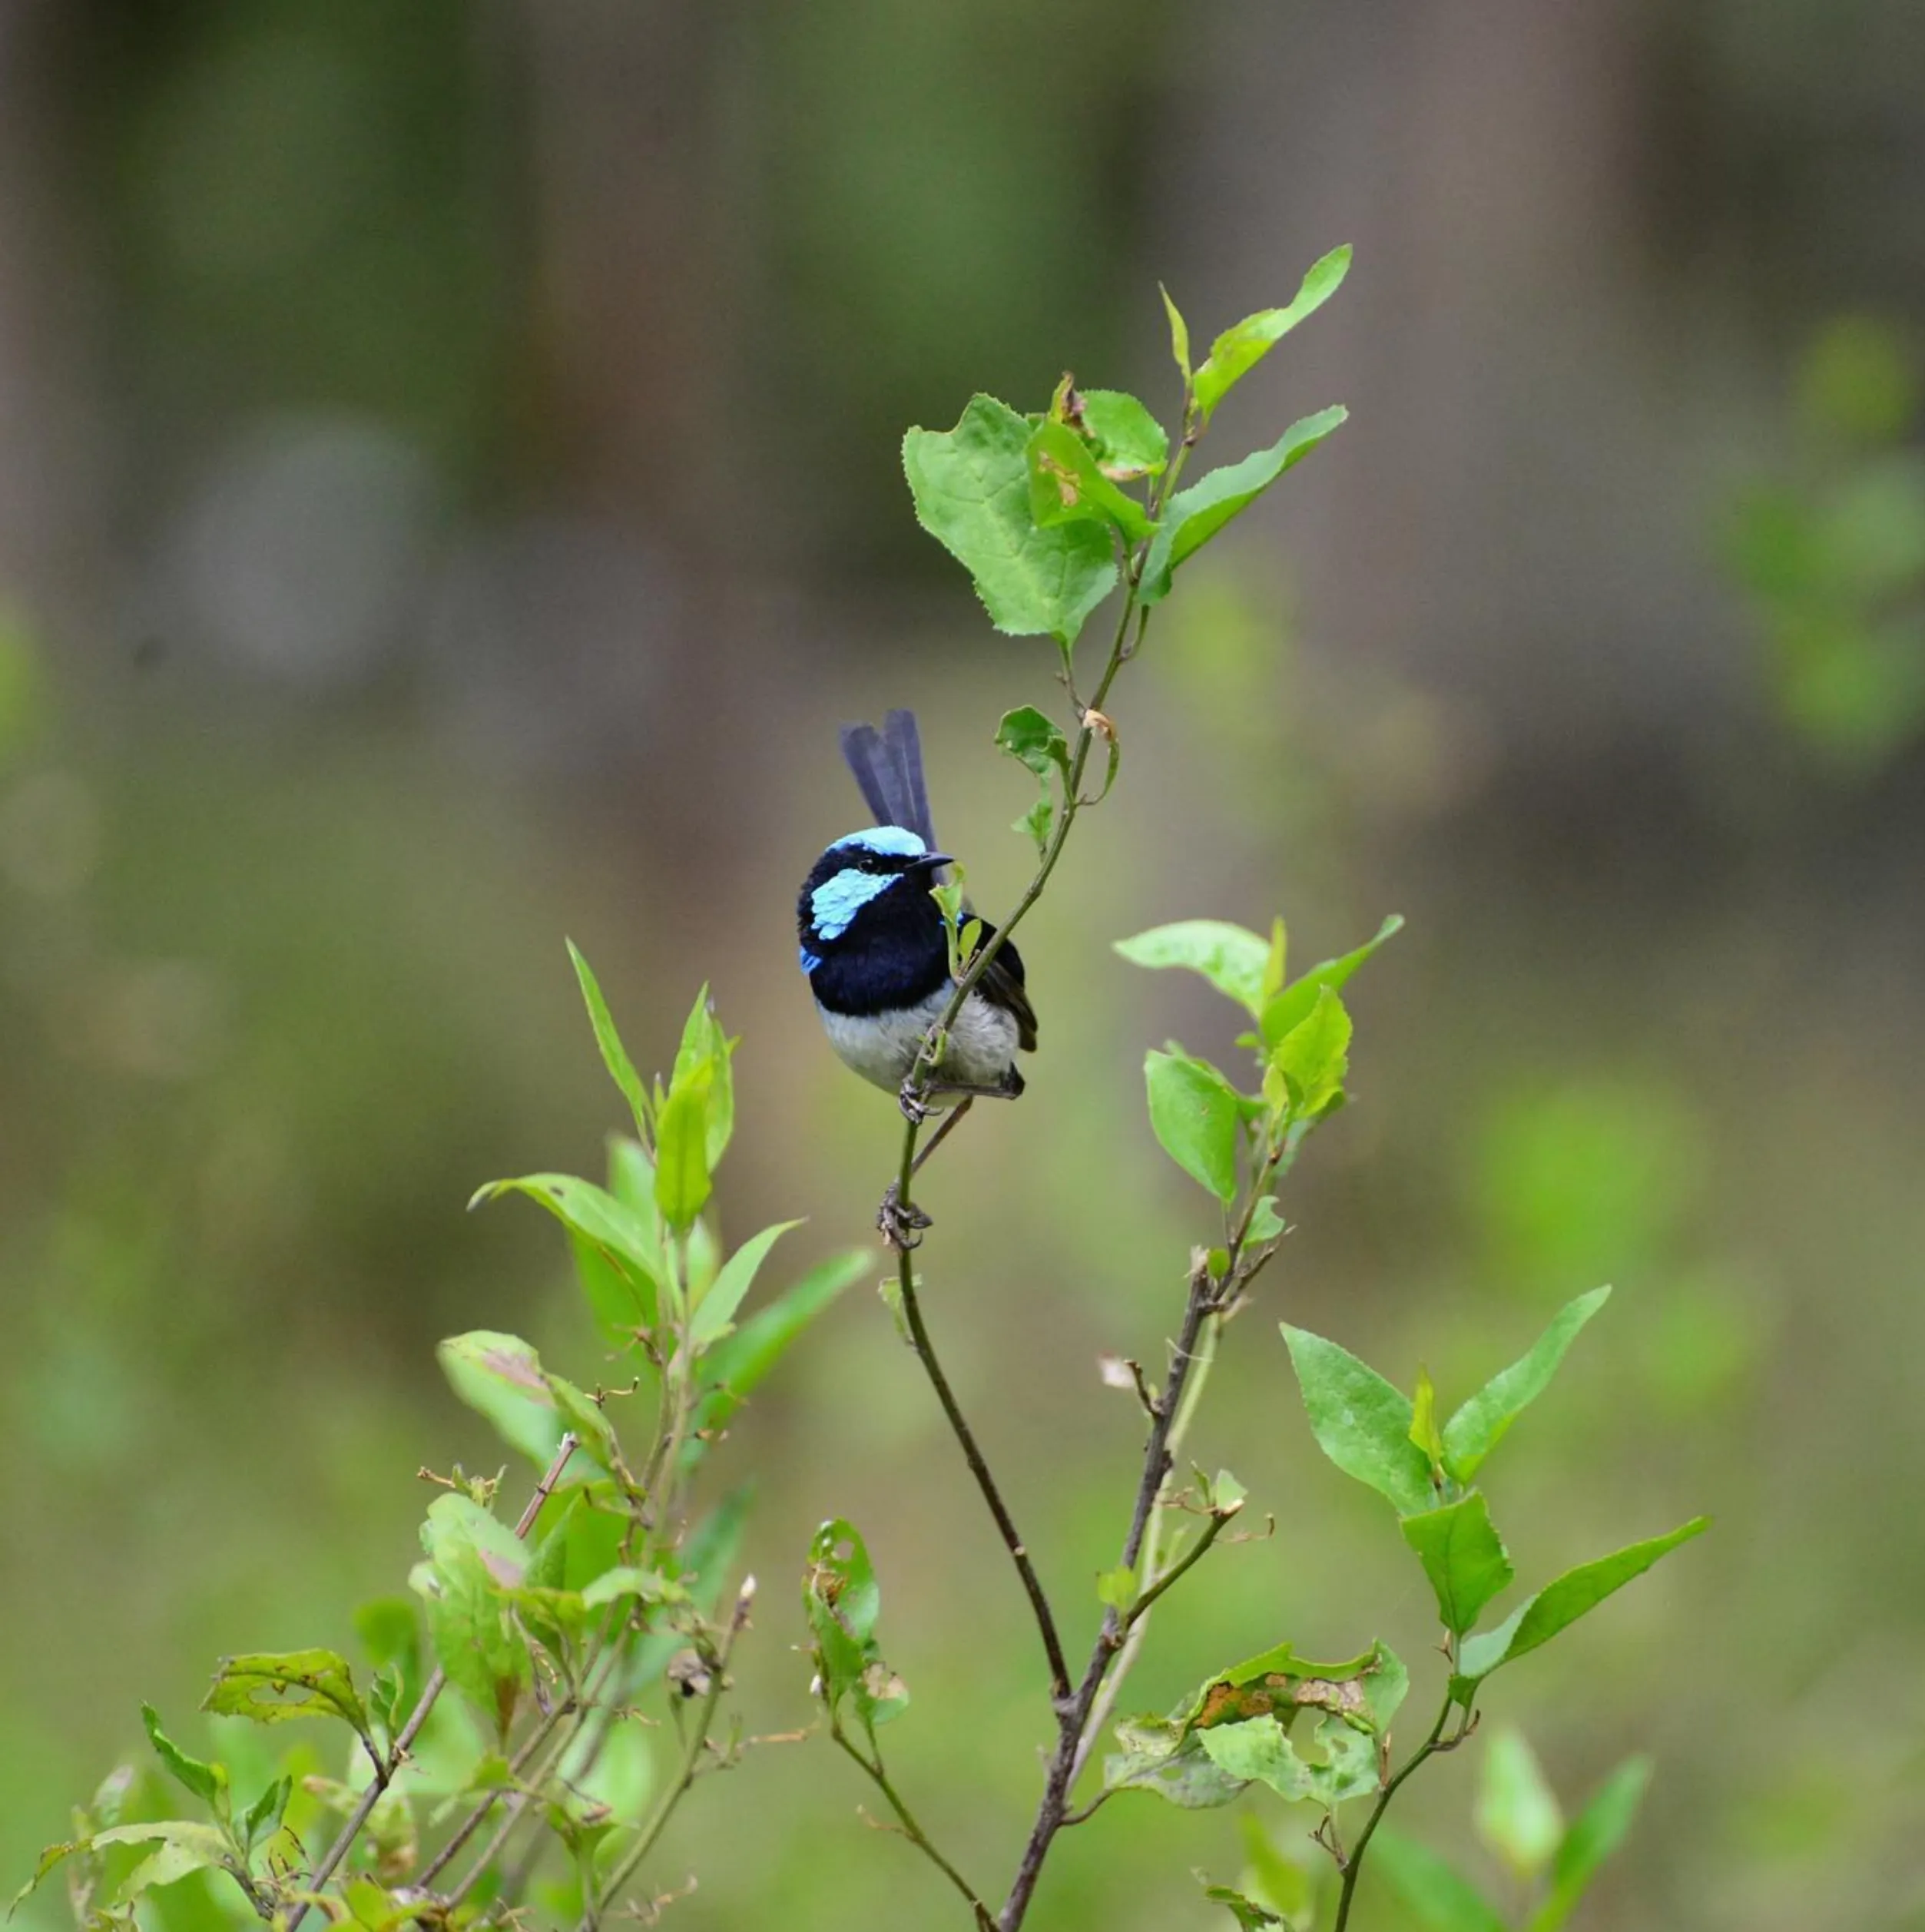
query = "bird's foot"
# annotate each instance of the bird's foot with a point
(910, 1098)
(900, 1221)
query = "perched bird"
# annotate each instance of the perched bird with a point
(874, 946)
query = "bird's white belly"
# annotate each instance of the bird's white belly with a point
(881, 1047)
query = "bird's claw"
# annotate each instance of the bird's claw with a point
(909, 1096)
(901, 1222)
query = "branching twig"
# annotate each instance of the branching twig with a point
(1353, 1865)
(430, 1690)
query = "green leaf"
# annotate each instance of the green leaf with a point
(1249, 1915)
(181, 1848)
(843, 1601)
(1130, 442)
(1365, 1690)
(207, 1782)
(1116, 1588)
(501, 1376)
(1230, 957)
(1423, 1420)
(733, 1368)
(705, 1046)
(1560, 1604)
(614, 1055)
(1239, 349)
(1313, 1057)
(455, 1520)
(1279, 1882)
(1291, 1007)
(1034, 739)
(682, 1179)
(971, 486)
(1260, 1749)
(718, 1307)
(1195, 1114)
(1596, 1833)
(625, 1580)
(1179, 334)
(1266, 1225)
(1476, 1429)
(471, 1618)
(264, 1815)
(1193, 516)
(1360, 1421)
(1463, 1557)
(1432, 1891)
(1066, 486)
(270, 1686)
(621, 1302)
(625, 1237)
(1037, 823)
(1517, 1814)
(1162, 1755)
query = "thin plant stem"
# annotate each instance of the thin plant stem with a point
(430, 1691)
(1354, 1865)
(685, 1775)
(911, 1829)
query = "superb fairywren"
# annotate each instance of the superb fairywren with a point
(875, 948)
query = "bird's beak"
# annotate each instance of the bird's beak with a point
(930, 860)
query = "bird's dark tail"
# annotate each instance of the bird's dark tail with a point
(888, 765)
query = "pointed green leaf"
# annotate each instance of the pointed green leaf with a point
(1230, 957)
(1193, 516)
(1313, 1057)
(1517, 1813)
(682, 1177)
(1194, 1113)
(208, 1782)
(1437, 1897)
(1116, 1588)
(1596, 1833)
(1130, 442)
(1179, 334)
(1291, 1007)
(1361, 1422)
(1463, 1557)
(1239, 349)
(626, 1238)
(614, 1055)
(705, 1046)
(1037, 823)
(1066, 486)
(1424, 1419)
(971, 487)
(1476, 1429)
(734, 1365)
(843, 1601)
(1560, 1604)
(472, 1619)
(264, 1815)
(1251, 1916)
(718, 1307)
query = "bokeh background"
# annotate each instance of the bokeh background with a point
(451, 496)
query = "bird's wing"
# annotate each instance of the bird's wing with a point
(1003, 985)
(888, 766)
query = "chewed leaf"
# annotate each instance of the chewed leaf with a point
(1161, 1755)
(970, 485)
(1066, 485)
(271, 1687)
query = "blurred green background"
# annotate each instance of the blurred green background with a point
(451, 498)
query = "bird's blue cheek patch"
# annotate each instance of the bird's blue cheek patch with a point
(836, 901)
(810, 960)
